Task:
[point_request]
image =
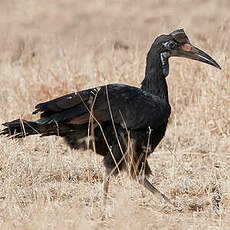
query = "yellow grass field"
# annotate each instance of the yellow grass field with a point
(50, 48)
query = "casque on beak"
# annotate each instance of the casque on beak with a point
(187, 50)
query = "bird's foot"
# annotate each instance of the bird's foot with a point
(176, 206)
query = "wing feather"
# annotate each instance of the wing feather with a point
(128, 106)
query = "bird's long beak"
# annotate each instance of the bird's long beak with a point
(189, 51)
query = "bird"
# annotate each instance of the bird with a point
(122, 123)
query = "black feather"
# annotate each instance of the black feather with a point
(113, 119)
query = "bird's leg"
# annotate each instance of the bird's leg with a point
(106, 188)
(106, 184)
(143, 180)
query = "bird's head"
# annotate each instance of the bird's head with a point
(177, 44)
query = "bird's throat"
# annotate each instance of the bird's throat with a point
(165, 63)
(157, 68)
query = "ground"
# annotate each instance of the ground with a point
(49, 48)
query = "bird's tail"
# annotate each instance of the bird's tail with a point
(22, 128)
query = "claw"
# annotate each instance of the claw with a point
(142, 180)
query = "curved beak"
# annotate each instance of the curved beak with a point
(189, 51)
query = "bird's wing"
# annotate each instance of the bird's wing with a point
(128, 106)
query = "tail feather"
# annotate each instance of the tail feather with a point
(21, 128)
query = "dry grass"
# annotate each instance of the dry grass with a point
(49, 49)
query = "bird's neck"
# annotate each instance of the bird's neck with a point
(154, 81)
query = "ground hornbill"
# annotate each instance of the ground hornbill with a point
(120, 122)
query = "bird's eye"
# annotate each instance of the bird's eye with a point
(172, 45)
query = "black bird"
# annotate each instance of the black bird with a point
(122, 123)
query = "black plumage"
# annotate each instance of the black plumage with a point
(120, 122)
